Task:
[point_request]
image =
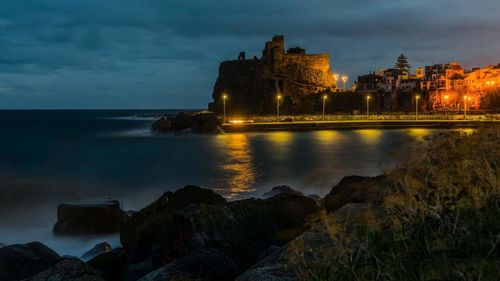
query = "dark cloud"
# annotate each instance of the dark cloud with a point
(165, 53)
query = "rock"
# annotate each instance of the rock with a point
(111, 264)
(154, 224)
(21, 261)
(242, 229)
(252, 84)
(198, 122)
(205, 122)
(332, 235)
(69, 269)
(281, 189)
(182, 121)
(356, 189)
(98, 249)
(136, 271)
(201, 266)
(162, 125)
(271, 250)
(98, 218)
(316, 199)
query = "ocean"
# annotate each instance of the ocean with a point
(49, 157)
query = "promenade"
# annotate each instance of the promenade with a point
(288, 123)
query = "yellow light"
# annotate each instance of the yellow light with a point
(279, 96)
(224, 96)
(368, 97)
(465, 97)
(344, 78)
(324, 97)
(446, 97)
(417, 97)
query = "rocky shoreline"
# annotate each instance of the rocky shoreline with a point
(195, 234)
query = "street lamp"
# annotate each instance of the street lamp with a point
(368, 107)
(336, 77)
(324, 100)
(344, 79)
(278, 106)
(224, 97)
(416, 106)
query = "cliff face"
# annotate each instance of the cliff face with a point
(253, 85)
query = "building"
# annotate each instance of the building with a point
(369, 83)
(448, 85)
(252, 86)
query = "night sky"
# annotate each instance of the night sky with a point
(165, 54)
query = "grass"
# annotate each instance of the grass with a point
(444, 213)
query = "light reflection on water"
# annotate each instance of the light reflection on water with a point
(238, 166)
(369, 136)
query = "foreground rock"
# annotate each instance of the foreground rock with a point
(356, 189)
(281, 189)
(99, 218)
(152, 226)
(69, 269)
(203, 266)
(111, 264)
(24, 260)
(328, 237)
(98, 249)
(196, 221)
(197, 122)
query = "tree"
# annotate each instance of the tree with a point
(402, 64)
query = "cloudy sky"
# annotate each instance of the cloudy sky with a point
(165, 53)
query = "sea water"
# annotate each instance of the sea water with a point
(57, 156)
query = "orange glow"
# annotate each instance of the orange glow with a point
(240, 121)
(239, 166)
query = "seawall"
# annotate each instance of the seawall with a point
(357, 124)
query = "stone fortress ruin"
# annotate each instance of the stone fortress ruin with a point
(252, 85)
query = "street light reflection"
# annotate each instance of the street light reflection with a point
(370, 136)
(239, 165)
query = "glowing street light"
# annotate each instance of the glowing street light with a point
(416, 106)
(324, 100)
(278, 106)
(336, 78)
(224, 98)
(368, 107)
(344, 79)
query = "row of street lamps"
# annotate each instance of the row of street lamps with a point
(325, 97)
(344, 79)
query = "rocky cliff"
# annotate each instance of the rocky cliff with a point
(252, 85)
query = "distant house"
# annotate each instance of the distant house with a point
(369, 83)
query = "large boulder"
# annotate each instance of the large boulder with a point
(25, 260)
(205, 122)
(154, 226)
(69, 270)
(96, 218)
(202, 266)
(111, 264)
(198, 122)
(331, 236)
(164, 124)
(356, 189)
(242, 230)
(98, 249)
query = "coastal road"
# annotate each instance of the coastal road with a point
(354, 124)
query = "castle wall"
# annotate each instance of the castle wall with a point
(253, 85)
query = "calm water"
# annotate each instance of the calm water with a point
(51, 157)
